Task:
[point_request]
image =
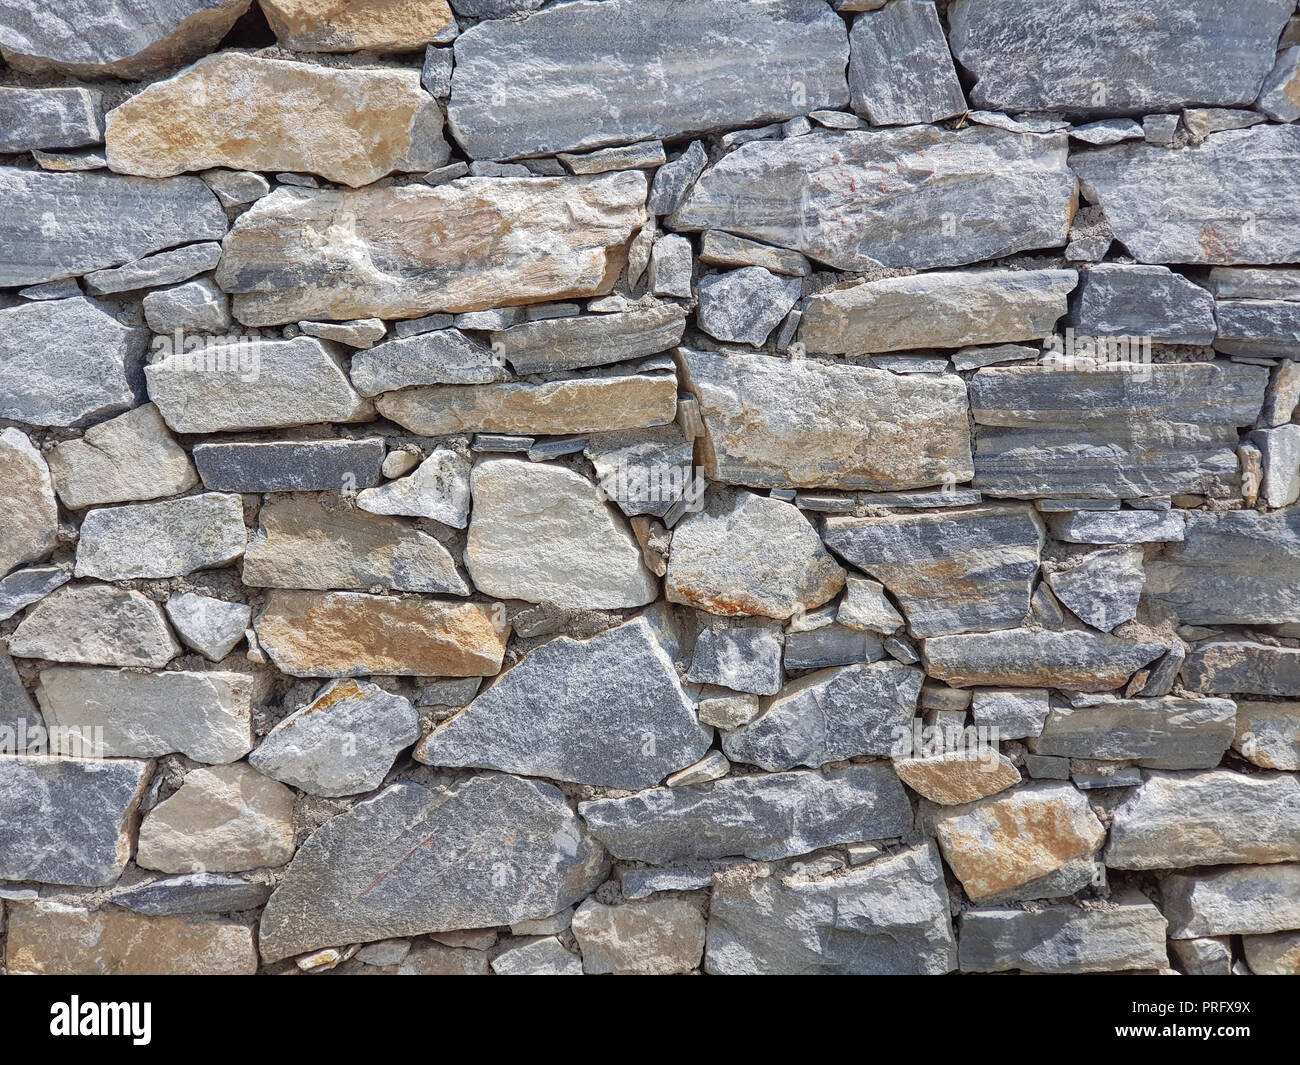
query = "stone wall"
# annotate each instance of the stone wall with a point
(739, 486)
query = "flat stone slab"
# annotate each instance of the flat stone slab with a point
(95, 624)
(289, 465)
(1227, 666)
(29, 525)
(1035, 658)
(590, 339)
(1245, 900)
(169, 538)
(1169, 733)
(191, 893)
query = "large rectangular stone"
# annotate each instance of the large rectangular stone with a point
(1245, 900)
(1170, 733)
(1230, 666)
(1037, 658)
(290, 465)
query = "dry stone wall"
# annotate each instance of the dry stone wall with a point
(748, 486)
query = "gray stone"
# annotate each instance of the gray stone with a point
(1273, 955)
(163, 268)
(19, 717)
(95, 624)
(829, 716)
(831, 645)
(492, 850)
(900, 69)
(640, 883)
(289, 465)
(1268, 733)
(1170, 733)
(427, 958)
(435, 74)
(1118, 527)
(648, 471)
(671, 267)
(1280, 96)
(29, 523)
(438, 489)
(1016, 714)
(1108, 131)
(49, 118)
(191, 893)
(342, 743)
(519, 90)
(644, 156)
(1101, 587)
(61, 225)
(66, 362)
(1076, 661)
(166, 539)
(24, 587)
(1265, 328)
(1200, 122)
(542, 957)
(589, 340)
(713, 766)
(950, 571)
(674, 179)
(1160, 129)
(766, 816)
(440, 357)
(815, 194)
(1143, 301)
(888, 918)
(359, 333)
(661, 937)
(724, 249)
(1206, 956)
(211, 626)
(726, 709)
(1254, 283)
(196, 306)
(1228, 666)
(974, 358)
(742, 654)
(68, 820)
(1280, 455)
(235, 188)
(744, 306)
(1283, 395)
(608, 711)
(1208, 817)
(1124, 58)
(865, 606)
(1249, 900)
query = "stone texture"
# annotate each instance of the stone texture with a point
(191, 893)
(608, 711)
(1264, 328)
(900, 69)
(95, 624)
(773, 422)
(1170, 733)
(345, 634)
(1250, 899)
(211, 626)
(439, 357)
(1016, 713)
(1101, 587)
(1279, 98)
(1118, 527)
(520, 88)
(289, 465)
(647, 471)
(865, 606)
(493, 850)
(1280, 455)
(955, 777)
(724, 249)
(744, 306)
(290, 256)
(165, 539)
(438, 489)
(1268, 733)
(379, 25)
(659, 937)
(1077, 661)
(743, 655)
(30, 585)
(542, 957)
(1144, 301)
(590, 339)
(1274, 955)
(162, 268)
(29, 523)
(1226, 666)
(49, 118)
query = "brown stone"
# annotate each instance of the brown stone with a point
(351, 25)
(956, 777)
(658, 937)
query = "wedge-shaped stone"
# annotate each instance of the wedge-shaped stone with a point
(1227, 666)
(1143, 301)
(954, 777)
(1122, 58)
(162, 268)
(346, 634)
(1034, 658)
(438, 489)
(193, 893)
(1242, 900)
(1128, 933)
(582, 75)
(829, 716)
(439, 357)
(773, 422)
(591, 339)
(61, 225)
(951, 571)
(289, 465)
(29, 522)
(1101, 587)
(254, 384)
(404, 252)
(645, 471)
(763, 816)
(166, 539)
(1118, 432)
(608, 711)
(750, 554)
(95, 624)
(324, 543)
(236, 110)
(68, 820)
(944, 309)
(1214, 203)
(30, 585)
(1212, 817)
(379, 25)
(890, 918)
(493, 850)
(211, 626)
(1174, 732)
(896, 197)
(1268, 734)
(206, 716)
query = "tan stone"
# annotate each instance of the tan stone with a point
(1004, 842)
(579, 405)
(405, 252)
(1277, 954)
(1268, 733)
(351, 25)
(239, 111)
(226, 819)
(29, 520)
(344, 634)
(956, 777)
(655, 938)
(47, 938)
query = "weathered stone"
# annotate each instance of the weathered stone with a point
(943, 309)
(165, 539)
(254, 384)
(1264, 328)
(378, 25)
(954, 777)
(900, 69)
(518, 90)
(530, 521)
(764, 816)
(897, 197)
(29, 523)
(1211, 817)
(1108, 131)
(831, 645)
(727, 709)
(671, 267)
(674, 179)
(776, 422)
(434, 959)
(1170, 733)
(1115, 431)
(646, 155)
(439, 357)
(288, 257)
(1280, 458)
(1143, 301)
(206, 716)
(1005, 843)
(1254, 283)
(1128, 933)
(1077, 661)
(829, 716)
(491, 851)
(54, 939)
(192, 893)
(1118, 527)
(656, 938)
(60, 225)
(542, 957)
(865, 606)
(744, 306)
(1283, 395)
(1213, 203)
(1249, 900)
(1101, 587)
(608, 711)
(1123, 59)
(1015, 714)
(1228, 665)
(713, 766)
(1273, 955)
(321, 543)
(26, 586)
(162, 268)
(590, 340)
(211, 626)
(647, 471)
(359, 333)
(750, 554)
(743, 654)
(65, 362)
(1280, 96)
(951, 571)
(342, 743)
(1205, 956)
(68, 820)
(49, 118)
(1268, 734)
(95, 624)
(889, 918)
(438, 489)
(724, 249)
(289, 465)
(345, 634)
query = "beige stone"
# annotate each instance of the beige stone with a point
(29, 520)
(956, 777)
(1273, 955)
(351, 25)
(1268, 733)
(47, 938)
(658, 937)
(344, 634)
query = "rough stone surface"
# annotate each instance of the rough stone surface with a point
(900, 69)
(956, 777)
(439, 489)
(29, 523)
(289, 465)
(1169, 733)
(1149, 301)
(1268, 733)
(211, 626)
(164, 539)
(439, 357)
(95, 624)
(1101, 587)
(49, 118)
(381, 25)
(1251, 899)
(743, 655)
(655, 938)
(744, 306)
(591, 339)
(1077, 661)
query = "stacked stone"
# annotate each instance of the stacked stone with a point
(758, 486)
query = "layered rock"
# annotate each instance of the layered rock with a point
(1075, 661)
(381, 25)
(1169, 733)
(29, 524)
